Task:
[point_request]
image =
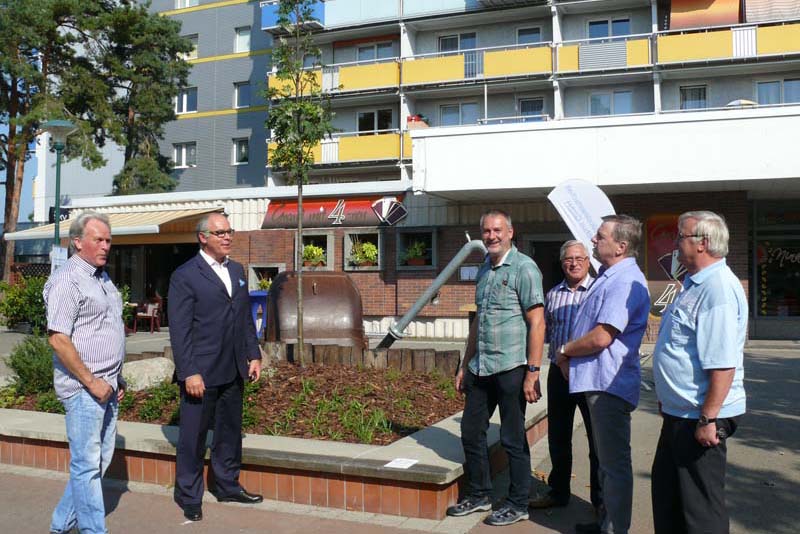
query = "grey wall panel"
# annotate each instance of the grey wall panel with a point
(576, 27)
(228, 72)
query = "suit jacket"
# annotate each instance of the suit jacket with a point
(211, 334)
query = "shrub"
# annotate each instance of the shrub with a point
(32, 363)
(10, 398)
(158, 398)
(48, 402)
(313, 254)
(23, 302)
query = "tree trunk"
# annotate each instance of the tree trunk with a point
(15, 170)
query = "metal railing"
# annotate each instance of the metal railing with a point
(515, 119)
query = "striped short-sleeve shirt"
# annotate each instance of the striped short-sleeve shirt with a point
(561, 309)
(83, 304)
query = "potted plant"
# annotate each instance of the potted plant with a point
(364, 254)
(264, 283)
(415, 253)
(313, 255)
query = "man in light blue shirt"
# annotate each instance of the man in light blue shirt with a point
(699, 376)
(602, 362)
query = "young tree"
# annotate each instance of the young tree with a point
(299, 115)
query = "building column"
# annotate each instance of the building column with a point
(657, 92)
(558, 102)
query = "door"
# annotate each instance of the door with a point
(545, 252)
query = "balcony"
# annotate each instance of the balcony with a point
(742, 41)
(357, 77)
(478, 64)
(630, 51)
(359, 147)
(269, 16)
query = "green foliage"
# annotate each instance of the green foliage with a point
(264, 283)
(32, 363)
(10, 397)
(158, 398)
(249, 406)
(144, 174)
(416, 249)
(23, 302)
(127, 311)
(127, 402)
(48, 402)
(363, 422)
(363, 252)
(445, 384)
(313, 254)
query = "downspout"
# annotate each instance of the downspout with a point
(396, 330)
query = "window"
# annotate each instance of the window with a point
(416, 249)
(362, 251)
(614, 103)
(193, 53)
(184, 155)
(180, 4)
(242, 41)
(458, 114)
(531, 109)
(311, 258)
(778, 92)
(241, 95)
(375, 51)
(369, 121)
(309, 61)
(241, 151)
(609, 28)
(186, 101)
(693, 97)
(454, 43)
(529, 35)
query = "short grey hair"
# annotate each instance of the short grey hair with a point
(496, 213)
(711, 227)
(626, 229)
(78, 226)
(202, 224)
(569, 244)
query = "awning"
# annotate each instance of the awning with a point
(130, 223)
(333, 212)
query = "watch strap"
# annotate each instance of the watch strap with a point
(533, 368)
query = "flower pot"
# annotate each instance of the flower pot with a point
(313, 264)
(416, 262)
(366, 264)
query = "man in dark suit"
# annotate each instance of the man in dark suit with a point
(215, 349)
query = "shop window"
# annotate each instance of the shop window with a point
(778, 277)
(317, 253)
(416, 249)
(363, 251)
(261, 275)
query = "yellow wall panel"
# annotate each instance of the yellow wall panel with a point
(638, 52)
(568, 58)
(518, 61)
(287, 86)
(433, 69)
(316, 152)
(367, 76)
(406, 145)
(778, 39)
(695, 46)
(368, 147)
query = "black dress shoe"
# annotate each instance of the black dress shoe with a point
(193, 512)
(242, 497)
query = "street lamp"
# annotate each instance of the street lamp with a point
(58, 130)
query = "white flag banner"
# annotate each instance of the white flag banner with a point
(582, 205)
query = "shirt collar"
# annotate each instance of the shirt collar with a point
(621, 266)
(87, 267)
(504, 260)
(211, 261)
(704, 274)
(584, 284)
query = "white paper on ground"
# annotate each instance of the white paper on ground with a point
(401, 463)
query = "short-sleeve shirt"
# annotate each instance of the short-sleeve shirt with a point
(503, 295)
(703, 329)
(618, 298)
(83, 304)
(560, 312)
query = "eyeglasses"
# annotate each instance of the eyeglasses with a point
(221, 233)
(575, 259)
(682, 236)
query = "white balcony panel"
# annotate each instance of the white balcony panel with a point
(744, 42)
(330, 150)
(659, 152)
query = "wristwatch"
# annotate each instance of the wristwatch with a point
(562, 348)
(704, 420)
(533, 368)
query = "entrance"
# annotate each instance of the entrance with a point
(545, 250)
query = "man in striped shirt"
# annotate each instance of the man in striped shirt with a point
(85, 329)
(561, 308)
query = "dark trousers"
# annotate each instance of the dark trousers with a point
(560, 416)
(222, 407)
(483, 395)
(688, 480)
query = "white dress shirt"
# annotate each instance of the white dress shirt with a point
(221, 269)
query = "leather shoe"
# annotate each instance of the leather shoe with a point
(587, 528)
(193, 512)
(545, 501)
(242, 497)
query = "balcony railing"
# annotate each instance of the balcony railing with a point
(354, 147)
(516, 119)
(478, 63)
(731, 42)
(354, 76)
(605, 53)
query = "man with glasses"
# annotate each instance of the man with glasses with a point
(602, 362)
(699, 376)
(561, 310)
(215, 349)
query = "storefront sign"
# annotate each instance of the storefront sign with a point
(322, 213)
(662, 269)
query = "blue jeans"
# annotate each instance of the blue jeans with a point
(92, 431)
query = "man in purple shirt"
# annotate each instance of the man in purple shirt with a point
(602, 361)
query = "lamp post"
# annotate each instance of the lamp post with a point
(59, 130)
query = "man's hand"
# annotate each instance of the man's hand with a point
(195, 386)
(706, 435)
(254, 372)
(563, 364)
(120, 392)
(460, 380)
(531, 387)
(100, 389)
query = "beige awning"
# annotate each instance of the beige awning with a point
(130, 223)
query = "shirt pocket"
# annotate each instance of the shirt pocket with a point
(499, 293)
(681, 325)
